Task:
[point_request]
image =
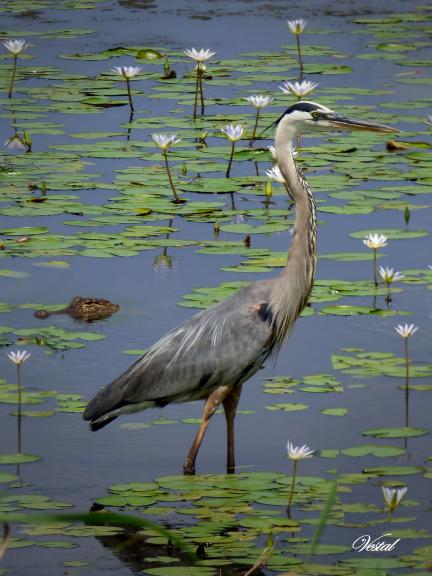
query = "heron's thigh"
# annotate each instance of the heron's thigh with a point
(215, 399)
(231, 400)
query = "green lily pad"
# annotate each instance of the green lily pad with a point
(335, 411)
(57, 544)
(249, 229)
(354, 310)
(18, 458)
(392, 470)
(391, 233)
(287, 406)
(13, 274)
(377, 450)
(24, 231)
(395, 432)
(34, 413)
(52, 264)
(120, 501)
(348, 256)
(6, 477)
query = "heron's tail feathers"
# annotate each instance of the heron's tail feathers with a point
(110, 403)
(100, 419)
(101, 422)
(108, 400)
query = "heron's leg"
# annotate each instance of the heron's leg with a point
(211, 405)
(230, 406)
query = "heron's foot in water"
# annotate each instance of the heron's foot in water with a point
(189, 467)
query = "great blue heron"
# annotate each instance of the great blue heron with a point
(210, 355)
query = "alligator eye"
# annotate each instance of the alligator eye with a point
(315, 115)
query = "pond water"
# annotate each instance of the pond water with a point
(341, 374)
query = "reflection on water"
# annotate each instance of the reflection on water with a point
(138, 555)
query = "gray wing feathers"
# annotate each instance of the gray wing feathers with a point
(215, 347)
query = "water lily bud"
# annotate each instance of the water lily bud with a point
(268, 189)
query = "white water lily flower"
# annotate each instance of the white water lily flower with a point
(375, 241)
(275, 174)
(233, 133)
(199, 55)
(393, 496)
(18, 357)
(406, 330)
(389, 275)
(127, 72)
(259, 101)
(297, 25)
(164, 141)
(299, 89)
(300, 452)
(15, 142)
(15, 47)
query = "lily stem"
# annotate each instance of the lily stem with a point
(388, 297)
(12, 80)
(406, 382)
(227, 175)
(294, 472)
(197, 87)
(129, 95)
(201, 91)
(19, 415)
(176, 198)
(375, 267)
(251, 141)
(300, 60)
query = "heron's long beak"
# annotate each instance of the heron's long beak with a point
(345, 123)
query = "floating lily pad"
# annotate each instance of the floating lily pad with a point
(52, 264)
(368, 364)
(249, 229)
(377, 450)
(34, 413)
(13, 274)
(395, 432)
(6, 477)
(120, 501)
(391, 233)
(392, 470)
(354, 310)
(18, 458)
(287, 406)
(335, 411)
(24, 231)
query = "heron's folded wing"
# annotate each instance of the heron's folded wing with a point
(218, 346)
(222, 345)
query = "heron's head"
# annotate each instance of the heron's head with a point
(310, 116)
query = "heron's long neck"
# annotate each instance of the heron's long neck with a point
(292, 288)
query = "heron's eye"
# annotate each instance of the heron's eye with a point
(316, 115)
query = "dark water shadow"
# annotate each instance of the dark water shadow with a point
(131, 548)
(138, 4)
